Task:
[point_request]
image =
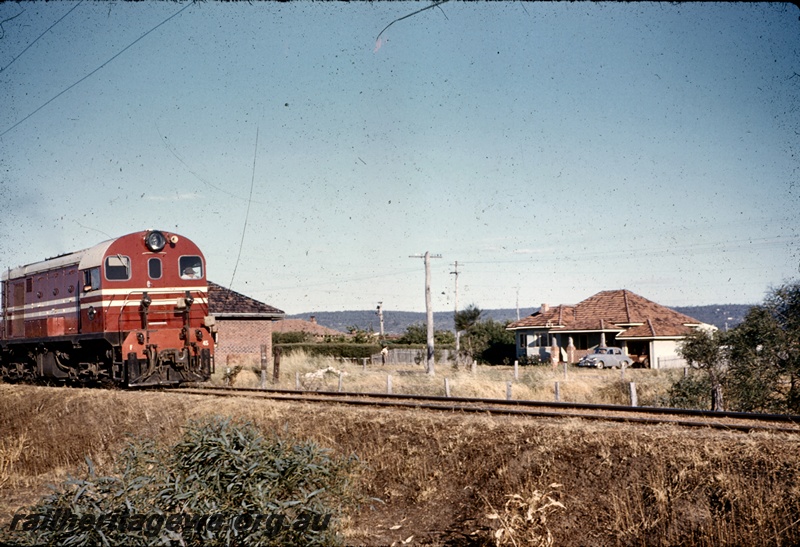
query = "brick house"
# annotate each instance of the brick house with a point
(650, 333)
(243, 324)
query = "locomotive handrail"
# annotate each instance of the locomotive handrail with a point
(164, 312)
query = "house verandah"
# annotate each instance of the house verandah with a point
(646, 331)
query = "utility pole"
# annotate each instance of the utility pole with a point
(428, 309)
(380, 317)
(455, 313)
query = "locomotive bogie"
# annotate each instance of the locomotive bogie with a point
(133, 310)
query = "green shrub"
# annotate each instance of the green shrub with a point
(290, 337)
(223, 483)
(693, 391)
(336, 350)
(531, 360)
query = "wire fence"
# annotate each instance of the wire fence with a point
(671, 362)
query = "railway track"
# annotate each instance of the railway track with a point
(734, 421)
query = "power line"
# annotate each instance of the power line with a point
(37, 38)
(92, 73)
(247, 214)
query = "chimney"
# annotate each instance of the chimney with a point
(545, 308)
(313, 319)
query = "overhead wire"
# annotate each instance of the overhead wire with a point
(247, 213)
(21, 53)
(93, 72)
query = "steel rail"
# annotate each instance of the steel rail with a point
(507, 407)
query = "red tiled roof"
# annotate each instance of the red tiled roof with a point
(300, 325)
(618, 310)
(224, 302)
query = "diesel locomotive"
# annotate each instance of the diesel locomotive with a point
(132, 311)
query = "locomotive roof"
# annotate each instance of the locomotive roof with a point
(86, 258)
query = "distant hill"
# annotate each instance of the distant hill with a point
(396, 322)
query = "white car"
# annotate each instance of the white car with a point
(602, 357)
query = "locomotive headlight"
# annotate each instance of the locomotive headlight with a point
(155, 241)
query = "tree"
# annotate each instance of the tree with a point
(755, 375)
(361, 336)
(765, 353)
(417, 334)
(464, 321)
(705, 350)
(467, 317)
(496, 344)
(485, 341)
(757, 363)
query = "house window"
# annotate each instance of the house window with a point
(154, 268)
(118, 268)
(523, 339)
(540, 339)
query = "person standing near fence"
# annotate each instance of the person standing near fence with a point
(384, 354)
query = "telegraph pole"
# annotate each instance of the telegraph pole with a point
(429, 364)
(380, 317)
(455, 313)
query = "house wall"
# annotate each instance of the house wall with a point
(664, 354)
(242, 337)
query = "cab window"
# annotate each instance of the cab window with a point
(191, 267)
(154, 268)
(91, 279)
(118, 268)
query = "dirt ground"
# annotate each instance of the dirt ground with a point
(452, 479)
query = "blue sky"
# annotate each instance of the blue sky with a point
(552, 149)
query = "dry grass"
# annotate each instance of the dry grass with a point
(452, 478)
(532, 383)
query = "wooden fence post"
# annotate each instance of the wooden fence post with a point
(263, 366)
(634, 398)
(389, 384)
(508, 391)
(557, 390)
(447, 387)
(717, 404)
(276, 365)
(516, 371)
(297, 381)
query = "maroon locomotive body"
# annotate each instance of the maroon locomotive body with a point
(131, 310)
